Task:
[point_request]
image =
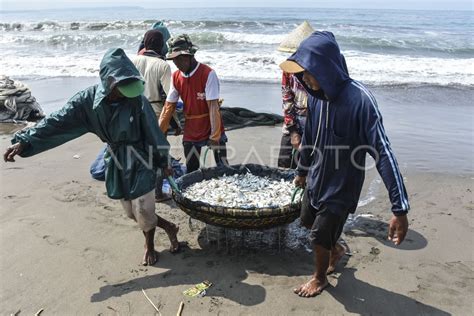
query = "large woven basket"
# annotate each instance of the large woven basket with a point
(239, 218)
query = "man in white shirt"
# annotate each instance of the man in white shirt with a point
(157, 74)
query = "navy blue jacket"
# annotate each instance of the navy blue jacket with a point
(343, 125)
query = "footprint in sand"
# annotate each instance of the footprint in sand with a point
(54, 241)
(16, 197)
(215, 303)
(74, 191)
(92, 261)
(449, 282)
(30, 221)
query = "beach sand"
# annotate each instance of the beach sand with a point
(67, 248)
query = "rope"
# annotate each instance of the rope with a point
(203, 162)
(295, 191)
(293, 152)
(173, 184)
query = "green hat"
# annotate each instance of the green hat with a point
(180, 45)
(131, 89)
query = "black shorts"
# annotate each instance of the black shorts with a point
(326, 226)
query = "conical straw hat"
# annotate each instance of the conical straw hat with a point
(291, 42)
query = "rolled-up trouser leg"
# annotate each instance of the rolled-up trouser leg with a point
(142, 210)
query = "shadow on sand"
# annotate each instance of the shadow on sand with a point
(369, 227)
(229, 270)
(363, 298)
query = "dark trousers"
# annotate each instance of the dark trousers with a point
(287, 158)
(192, 151)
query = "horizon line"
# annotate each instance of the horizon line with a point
(230, 7)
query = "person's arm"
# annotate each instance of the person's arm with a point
(169, 108)
(215, 118)
(165, 81)
(373, 134)
(288, 104)
(56, 129)
(154, 137)
(305, 150)
(212, 98)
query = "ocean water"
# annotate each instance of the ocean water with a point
(419, 64)
(382, 47)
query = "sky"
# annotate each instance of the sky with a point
(373, 4)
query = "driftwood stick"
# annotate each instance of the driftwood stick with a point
(156, 308)
(39, 312)
(180, 310)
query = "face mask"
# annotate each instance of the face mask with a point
(319, 94)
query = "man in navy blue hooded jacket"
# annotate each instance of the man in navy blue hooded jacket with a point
(343, 125)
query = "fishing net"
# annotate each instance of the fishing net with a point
(16, 102)
(235, 117)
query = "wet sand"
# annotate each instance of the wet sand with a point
(430, 128)
(69, 249)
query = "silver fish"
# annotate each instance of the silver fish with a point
(241, 191)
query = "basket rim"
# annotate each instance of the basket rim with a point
(250, 212)
(240, 223)
(238, 212)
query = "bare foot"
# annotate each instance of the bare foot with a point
(172, 232)
(336, 254)
(150, 257)
(312, 288)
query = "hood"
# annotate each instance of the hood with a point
(114, 67)
(157, 25)
(320, 55)
(160, 26)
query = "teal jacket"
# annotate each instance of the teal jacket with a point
(160, 26)
(137, 147)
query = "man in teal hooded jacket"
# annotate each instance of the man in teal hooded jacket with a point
(159, 26)
(118, 113)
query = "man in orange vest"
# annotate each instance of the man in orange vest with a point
(198, 87)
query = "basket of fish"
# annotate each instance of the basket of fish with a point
(246, 196)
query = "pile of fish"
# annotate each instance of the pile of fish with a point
(241, 191)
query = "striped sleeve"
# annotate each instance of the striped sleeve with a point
(373, 134)
(288, 97)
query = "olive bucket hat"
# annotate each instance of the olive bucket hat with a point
(180, 45)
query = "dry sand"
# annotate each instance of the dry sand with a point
(67, 248)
